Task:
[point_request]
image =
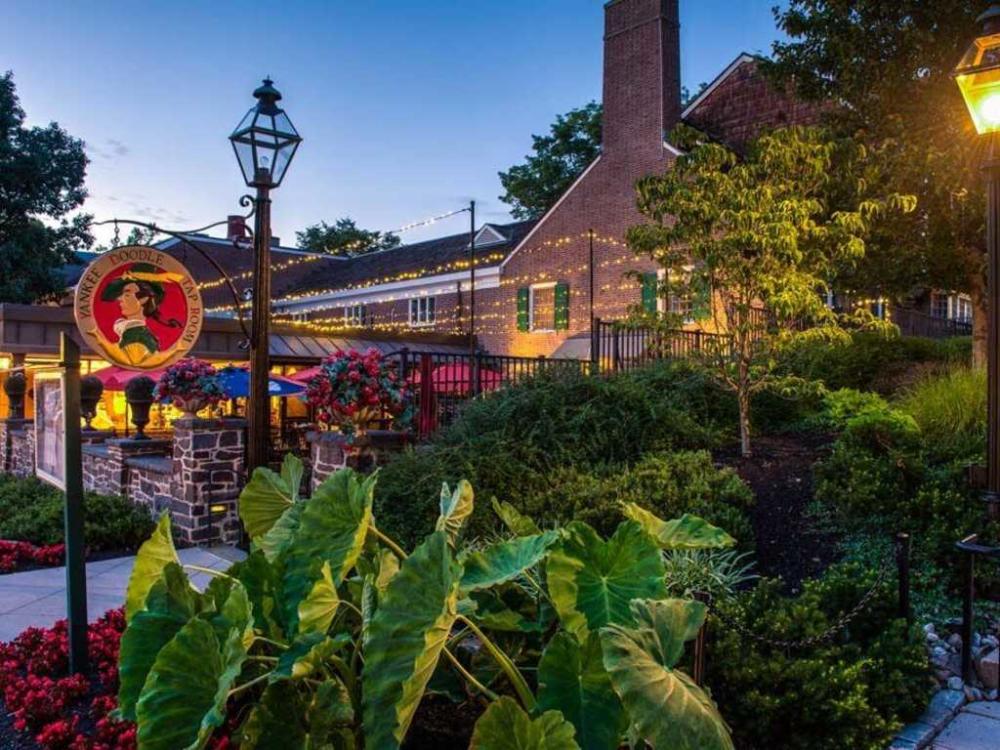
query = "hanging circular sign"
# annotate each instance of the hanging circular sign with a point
(138, 307)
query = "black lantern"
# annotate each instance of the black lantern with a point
(265, 140)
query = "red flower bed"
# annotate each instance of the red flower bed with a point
(15, 555)
(71, 713)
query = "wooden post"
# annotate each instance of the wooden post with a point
(76, 572)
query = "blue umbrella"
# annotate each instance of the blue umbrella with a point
(236, 383)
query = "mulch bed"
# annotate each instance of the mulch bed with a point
(789, 543)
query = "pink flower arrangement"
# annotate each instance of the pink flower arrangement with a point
(352, 390)
(190, 381)
(14, 555)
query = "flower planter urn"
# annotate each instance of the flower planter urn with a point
(139, 395)
(91, 389)
(15, 386)
(189, 405)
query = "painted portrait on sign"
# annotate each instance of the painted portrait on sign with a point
(138, 307)
(49, 428)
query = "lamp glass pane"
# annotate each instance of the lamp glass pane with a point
(244, 154)
(978, 78)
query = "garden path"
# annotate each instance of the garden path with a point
(951, 724)
(38, 597)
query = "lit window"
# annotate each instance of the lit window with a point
(356, 315)
(681, 305)
(422, 311)
(673, 303)
(300, 317)
(963, 309)
(543, 307)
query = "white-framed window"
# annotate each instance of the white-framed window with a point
(356, 315)
(675, 304)
(300, 317)
(421, 311)
(542, 306)
(962, 308)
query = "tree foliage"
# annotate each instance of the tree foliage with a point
(762, 235)
(42, 171)
(344, 237)
(573, 141)
(890, 67)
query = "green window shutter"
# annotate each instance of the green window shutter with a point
(562, 307)
(649, 289)
(522, 308)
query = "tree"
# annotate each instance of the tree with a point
(42, 171)
(344, 238)
(761, 235)
(889, 65)
(573, 142)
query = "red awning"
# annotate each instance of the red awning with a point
(304, 376)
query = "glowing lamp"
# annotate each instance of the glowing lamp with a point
(265, 140)
(978, 74)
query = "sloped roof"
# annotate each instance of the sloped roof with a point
(428, 258)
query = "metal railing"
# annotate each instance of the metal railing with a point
(617, 346)
(443, 381)
(916, 323)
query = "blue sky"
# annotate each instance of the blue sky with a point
(408, 109)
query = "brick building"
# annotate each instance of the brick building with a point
(534, 279)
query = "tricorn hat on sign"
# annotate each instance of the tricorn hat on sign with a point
(140, 272)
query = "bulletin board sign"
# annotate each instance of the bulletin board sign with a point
(50, 427)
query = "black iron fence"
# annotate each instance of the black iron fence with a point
(443, 381)
(916, 323)
(616, 346)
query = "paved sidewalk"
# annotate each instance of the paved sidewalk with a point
(949, 723)
(38, 597)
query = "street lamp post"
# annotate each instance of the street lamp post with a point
(265, 142)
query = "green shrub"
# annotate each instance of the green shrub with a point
(951, 411)
(871, 361)
(522, 442)
(853, 692)
(32, 511)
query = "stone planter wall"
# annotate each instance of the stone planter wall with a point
(331, 451)
(7, 429)
(208, 470)
(105, 465)
(22, 450)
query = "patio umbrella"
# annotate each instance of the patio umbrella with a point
(236, 383)
(304, 376)
(456, 379)
(116, 378)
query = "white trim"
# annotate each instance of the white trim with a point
(548, 213)
(531, 306)
(497, 238)
(742, 58)
(673, 149)
(486, 278)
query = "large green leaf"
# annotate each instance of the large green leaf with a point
(456, 507)
(686, 532)
(276, 722)
(505, 726)
(406, 636)
(330, 715)
(513, 519)
(504, 561)
(170, 604)
(666, 707)
(316, 611)
(154, 555)
(262, 583)
(268, 495)
(280, 535)
(592, 581)
(572, 679)
(332, 529)
(306, 654)
(184, 698)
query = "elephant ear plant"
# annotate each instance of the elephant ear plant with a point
(329, 634)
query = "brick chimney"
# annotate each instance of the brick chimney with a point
(642, 84)
(236, 228)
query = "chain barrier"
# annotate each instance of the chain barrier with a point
(805, 643)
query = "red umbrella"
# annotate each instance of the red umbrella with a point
(115, 378)
(456, 379)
